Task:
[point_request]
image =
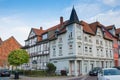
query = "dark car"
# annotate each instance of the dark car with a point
(5, 73)
(94, 71)
(118, 67)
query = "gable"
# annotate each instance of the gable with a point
(31, 34)
(99, 32)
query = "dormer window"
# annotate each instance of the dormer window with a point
(44, 36)
(86, 39)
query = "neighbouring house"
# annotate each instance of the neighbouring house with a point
(5, 48)
(114, 32)
(118, 34)
(72, 45)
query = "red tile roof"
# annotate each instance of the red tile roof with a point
(117, 31)
(109, 27)
(86, 27)
(6, 47)
(38, 31)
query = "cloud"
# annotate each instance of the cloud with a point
(84, 10)
(19, 28)
(13, 26)
(96, 11)
(108, 18)
(111, 2)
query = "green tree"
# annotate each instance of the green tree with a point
(51, 68)
(18, 57)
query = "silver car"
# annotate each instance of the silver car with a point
(109, 74)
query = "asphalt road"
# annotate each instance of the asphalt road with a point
(91, 78)
(4, 78)
(86, 78)
(79, 78)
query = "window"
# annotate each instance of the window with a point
(106, 53)
(60, 40)
(106, 43)
(86, 39)
(54, 52)
(70, 46)
(110, 54)
(45, 46)
(97, 42)
(35, 49)
(41, 47)
(60, 51)
(90, 40)
(44, 36)
(79, 48)
(90, 49)
(101, 42)
(79, 34)
(54, 42)
(70, 35)
(86, 49)
(97, 51)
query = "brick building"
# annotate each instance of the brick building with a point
(5, 48)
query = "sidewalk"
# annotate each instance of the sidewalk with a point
(46, 78)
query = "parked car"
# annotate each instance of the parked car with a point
(109, 74)
(118, 67)
(94, 71)
(4, 72)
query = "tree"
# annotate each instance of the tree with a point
(51, 68)
(18, 57)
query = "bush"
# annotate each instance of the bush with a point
(35, 73)
(51, 68)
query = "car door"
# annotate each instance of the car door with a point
(100, 75)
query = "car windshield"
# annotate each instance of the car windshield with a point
(111, 72)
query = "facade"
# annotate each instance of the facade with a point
(82, 47)
(37, 49)
(5, 48)
(72, 45)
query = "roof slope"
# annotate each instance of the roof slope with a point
(86, 27)
(117, 31)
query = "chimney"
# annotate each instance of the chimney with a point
(41, 28)
(0, 41)
(61, 20)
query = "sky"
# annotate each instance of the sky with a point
(17, 17)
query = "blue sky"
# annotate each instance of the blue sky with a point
(17, 17)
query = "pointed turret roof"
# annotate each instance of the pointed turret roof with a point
(73, 17)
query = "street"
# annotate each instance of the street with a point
(52, 78)
(4, 78)
(86, 78)
(91, 78)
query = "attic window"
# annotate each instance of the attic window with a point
(44, 36)
(86, 39)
